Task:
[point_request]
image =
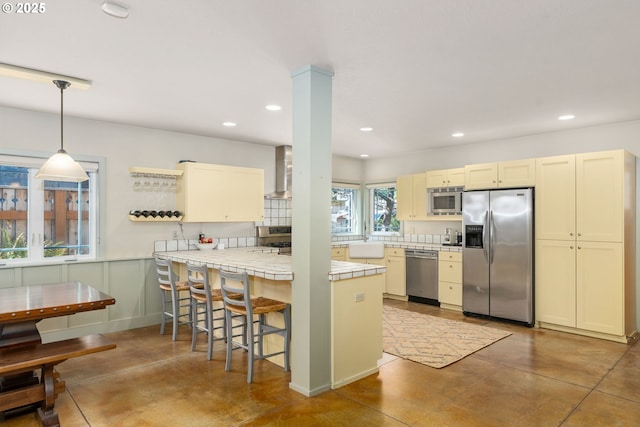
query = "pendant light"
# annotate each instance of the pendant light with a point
(60, 166)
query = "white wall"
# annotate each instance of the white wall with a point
(598, 138)
(123, 146)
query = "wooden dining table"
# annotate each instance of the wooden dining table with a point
(23, 306)
(22, 353)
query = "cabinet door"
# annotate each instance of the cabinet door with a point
(404, 197)
(419, 197)
(519, 173)
(339, 254)
(450, 271)
(481, 176)
(437, 179)
(455, 177)
(244, 189)
(599, 293)
(555, 287)
(555, 202)
(201, 192)
(396, 276)
(599, 200)
(450, 293)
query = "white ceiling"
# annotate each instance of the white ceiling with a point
(414, 70)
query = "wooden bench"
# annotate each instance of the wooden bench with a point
(25, 359)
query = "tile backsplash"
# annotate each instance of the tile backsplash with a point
(277, 211)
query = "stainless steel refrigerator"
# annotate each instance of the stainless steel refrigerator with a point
(498, 246)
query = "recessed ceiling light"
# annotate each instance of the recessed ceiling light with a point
(366, 129)
(229, 124)
(115, 10)
(457, 135)
(567, 117)
(364, 155)
(273, 107)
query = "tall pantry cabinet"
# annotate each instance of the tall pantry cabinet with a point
(585, 244)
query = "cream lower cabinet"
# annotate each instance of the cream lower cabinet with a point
(412, 197)
(339, 254)
(450, 280)
(578, 286)
(396, 280)
(220, 193)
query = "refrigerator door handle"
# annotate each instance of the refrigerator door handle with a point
(484, 235)
(492, 234)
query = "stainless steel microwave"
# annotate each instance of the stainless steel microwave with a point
(445, 201)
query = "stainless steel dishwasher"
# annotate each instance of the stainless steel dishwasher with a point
(422, 276)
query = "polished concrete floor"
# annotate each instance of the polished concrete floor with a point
(534, 377)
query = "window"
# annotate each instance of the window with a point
(45, 220)
(383, 209)
(344, 208)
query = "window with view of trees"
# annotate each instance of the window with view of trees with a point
(383, 209)
(344, 209)
(45, 219)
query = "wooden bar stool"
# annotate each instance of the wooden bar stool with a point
(237, 299)
(208, 317)
(172, 301)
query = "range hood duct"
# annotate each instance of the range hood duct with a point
(284, 157)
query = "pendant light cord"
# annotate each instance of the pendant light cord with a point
(62, 85)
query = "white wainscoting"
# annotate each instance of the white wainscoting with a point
(132, 282)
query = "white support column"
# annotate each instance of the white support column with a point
(311, 239)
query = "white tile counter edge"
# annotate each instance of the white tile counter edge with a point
(265, 263)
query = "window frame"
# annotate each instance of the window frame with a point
(96, 167)
(357, 215)
(371, 211)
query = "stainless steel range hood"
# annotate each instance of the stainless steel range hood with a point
(283, 173)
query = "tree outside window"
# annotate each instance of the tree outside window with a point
(383, 209)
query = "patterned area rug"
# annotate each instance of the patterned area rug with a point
(431, 340)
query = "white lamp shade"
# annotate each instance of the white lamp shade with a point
(61, 167)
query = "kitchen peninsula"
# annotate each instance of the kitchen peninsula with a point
(356, 301)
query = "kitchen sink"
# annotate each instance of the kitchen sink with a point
(366, 250)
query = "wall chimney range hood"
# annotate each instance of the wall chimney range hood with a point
(283, 173)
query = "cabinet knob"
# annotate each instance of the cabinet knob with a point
(570, 247)
(579, 247)
(451, 287)
(570, 234)
(494, 181)
(450, 266)
(579, 234)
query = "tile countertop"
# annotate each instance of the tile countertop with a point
(265, 263)
(404, 245)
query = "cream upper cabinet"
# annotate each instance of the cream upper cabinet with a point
(555, 198)
(219, 193)
(445, 178)
(517, 173)
(599, 201)
(412, 197)
(581, 197)
(480, 176)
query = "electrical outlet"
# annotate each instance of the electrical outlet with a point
(359, 297)
(175, 235)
